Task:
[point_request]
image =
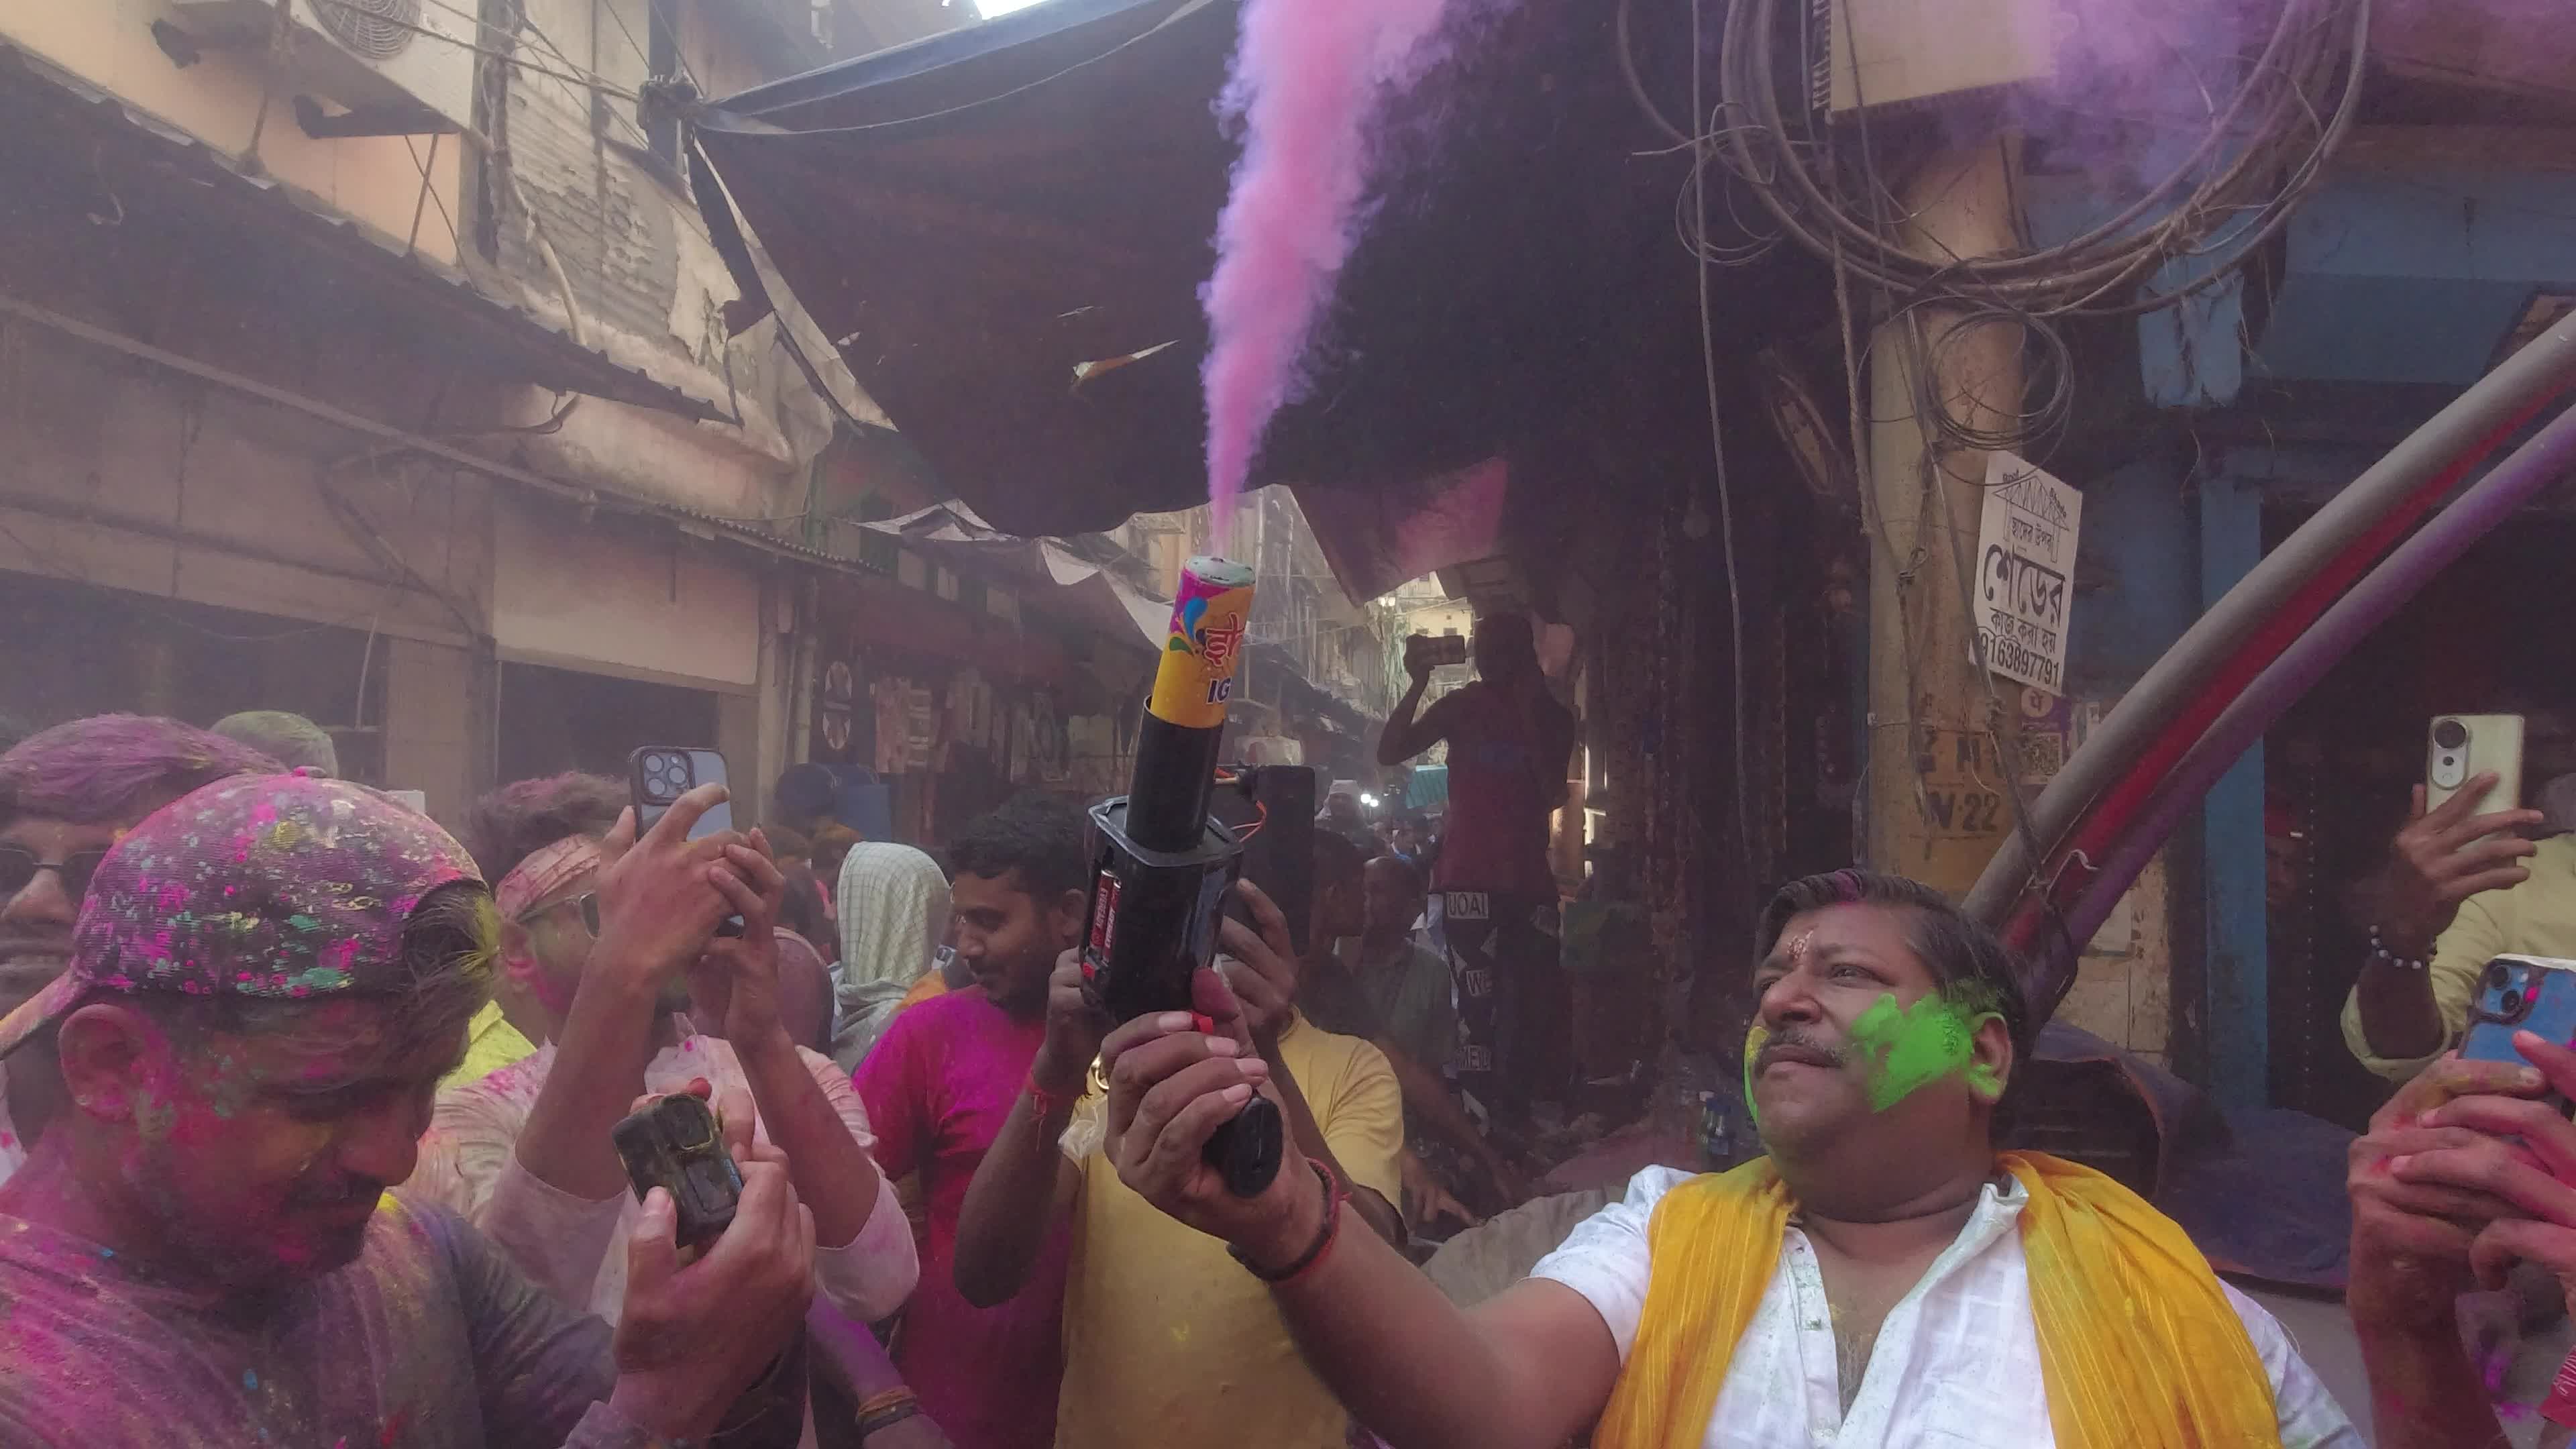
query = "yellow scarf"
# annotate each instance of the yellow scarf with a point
(2138, 1345)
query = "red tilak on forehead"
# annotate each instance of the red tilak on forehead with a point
(1805, 942)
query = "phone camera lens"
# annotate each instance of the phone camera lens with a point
(2499, 976)
(2511, 1002)
(2450, 734)
(663, 774)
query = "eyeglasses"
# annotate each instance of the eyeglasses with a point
(19, 865)
(587, 901)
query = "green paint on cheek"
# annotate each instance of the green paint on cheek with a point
(1906, 1048)
(1754, 1036)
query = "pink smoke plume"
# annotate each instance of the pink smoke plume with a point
(1306, 81)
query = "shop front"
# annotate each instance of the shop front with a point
(940, 708)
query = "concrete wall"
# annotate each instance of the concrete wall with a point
(119, 477)
(636, 600)
(376, 179)
(431, 698)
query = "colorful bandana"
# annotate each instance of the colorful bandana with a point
(547, 871)
(261, 885)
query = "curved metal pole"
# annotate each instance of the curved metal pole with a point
(2544, 460)
(2341, 535)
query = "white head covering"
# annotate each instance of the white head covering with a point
(893, 904)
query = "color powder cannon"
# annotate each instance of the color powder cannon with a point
(1162, 865)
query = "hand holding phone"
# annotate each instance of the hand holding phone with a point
(658, 907)
(2461, 747)
(698, 1332)
(676, 1144)
(2442, 857)
(658, 776)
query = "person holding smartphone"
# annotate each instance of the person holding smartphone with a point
(2461, 887)
(2467, 1174)
(615, 937)
(1494, 904)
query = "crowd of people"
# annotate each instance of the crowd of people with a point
(306, 1139)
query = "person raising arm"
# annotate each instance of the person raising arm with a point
(1161, 1328)
(2433, 926)
(997, 1237)
(618, 939)
(1884, 1275)
(2467, 1172)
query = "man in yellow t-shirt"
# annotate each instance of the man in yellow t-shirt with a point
(1167, 1339)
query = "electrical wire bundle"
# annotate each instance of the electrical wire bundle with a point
(2263, 149)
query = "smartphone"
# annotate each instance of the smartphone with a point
(1272, 807)
(1444, 649)
(657, 775)
(2461, 747)
(676, 1145)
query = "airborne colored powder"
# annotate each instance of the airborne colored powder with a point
(1308, 76)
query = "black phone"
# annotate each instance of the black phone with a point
(658, 775)
(677, 1145)
(1273, 808)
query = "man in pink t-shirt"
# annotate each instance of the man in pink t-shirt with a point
(1494, 899)
(937, 1087)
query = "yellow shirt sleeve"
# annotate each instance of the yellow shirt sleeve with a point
(490, 1044)
(2460, 955)
(1364, 1124)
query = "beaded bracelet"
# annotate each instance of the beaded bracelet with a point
(2379, 951)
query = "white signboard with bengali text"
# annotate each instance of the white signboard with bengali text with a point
(2026, 571)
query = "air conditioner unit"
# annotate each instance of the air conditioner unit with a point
(375, 56)
(1873, 53)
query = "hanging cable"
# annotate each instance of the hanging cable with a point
(2237, 186)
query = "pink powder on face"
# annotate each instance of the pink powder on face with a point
(1306, 81)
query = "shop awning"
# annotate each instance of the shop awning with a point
(981, 219)
(1055, 577)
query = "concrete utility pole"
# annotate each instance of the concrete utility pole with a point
(1938, 802)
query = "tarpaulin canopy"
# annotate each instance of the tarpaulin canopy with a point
(1004, 229)
(1062, 581)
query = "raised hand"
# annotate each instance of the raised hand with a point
(658, 906)
(692, 1339)
(1260, 966)
(1074, 1029)
(2423, 1185)
(748, 878)
(1170, 1086)
(2444, 857)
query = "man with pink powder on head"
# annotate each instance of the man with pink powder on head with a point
(266, 983)
(66, 794)
(525, 1153)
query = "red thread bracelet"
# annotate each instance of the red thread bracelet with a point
(1044, 1101)
(1334, 1196)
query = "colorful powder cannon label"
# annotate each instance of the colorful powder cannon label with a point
(1209, 610)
